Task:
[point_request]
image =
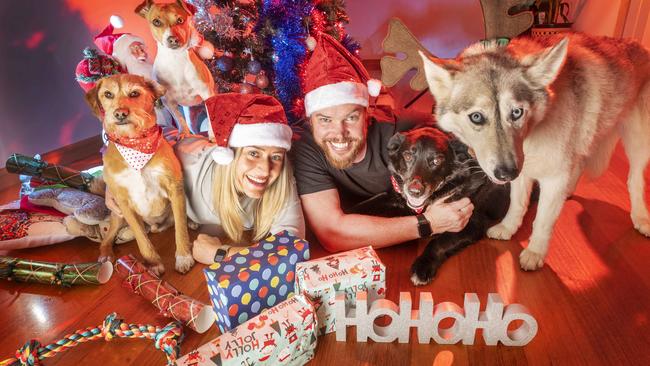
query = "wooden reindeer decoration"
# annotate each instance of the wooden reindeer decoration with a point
(399, 40)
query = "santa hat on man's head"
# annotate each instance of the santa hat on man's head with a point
(116, 44)
(334, 76)
(239, 120)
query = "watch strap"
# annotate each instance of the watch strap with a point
(424, 227)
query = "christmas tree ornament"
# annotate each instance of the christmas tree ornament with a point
(206, 50)
(311, 43)
(254, 67)
(245, 88)
(225, 63)
(166, 339)
(262, 81)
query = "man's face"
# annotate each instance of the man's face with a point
(341, 132)
(138, 51)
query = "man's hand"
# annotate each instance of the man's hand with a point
(449, 217)
(111, 203)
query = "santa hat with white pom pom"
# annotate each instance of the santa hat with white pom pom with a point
(240, 120)
(334, 76)
(116, 44)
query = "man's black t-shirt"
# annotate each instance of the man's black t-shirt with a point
(359, 182)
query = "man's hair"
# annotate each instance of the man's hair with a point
(226, 201)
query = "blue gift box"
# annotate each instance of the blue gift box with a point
(255, 278)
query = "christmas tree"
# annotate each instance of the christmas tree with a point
(261, 45)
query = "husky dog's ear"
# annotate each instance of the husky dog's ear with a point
(143, 8)
(544, 67)
(438, 77)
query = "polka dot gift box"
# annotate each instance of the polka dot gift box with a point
(344, 273)
(255, 278)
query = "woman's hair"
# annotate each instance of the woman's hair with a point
(226, 200)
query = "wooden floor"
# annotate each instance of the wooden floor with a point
(591, 299)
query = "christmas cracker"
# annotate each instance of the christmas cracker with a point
(50, 273)
(165, 297)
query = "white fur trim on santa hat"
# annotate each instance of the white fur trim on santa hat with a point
(344, 92)
(121, 46)
(374, 87)
(261, 134)
(222, 155)
(117, 21)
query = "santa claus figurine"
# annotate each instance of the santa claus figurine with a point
(131, 52)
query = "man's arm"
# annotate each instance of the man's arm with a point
(337, 231)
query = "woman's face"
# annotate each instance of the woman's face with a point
(257, 168)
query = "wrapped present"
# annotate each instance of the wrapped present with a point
(282, 335)
(348, 272)
(255, 278)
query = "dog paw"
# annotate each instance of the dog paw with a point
(158, 269)
(642, 224)
(530, 261)
(500, 232)
(106, 258)
(184, 263)
(422, 271)
(192, 225)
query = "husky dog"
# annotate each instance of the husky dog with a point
(547, 109)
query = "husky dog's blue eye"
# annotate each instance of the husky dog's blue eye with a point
(516, 113)
(477, 118)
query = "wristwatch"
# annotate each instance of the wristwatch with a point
(424, 227)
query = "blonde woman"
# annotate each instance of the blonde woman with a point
(240, 189)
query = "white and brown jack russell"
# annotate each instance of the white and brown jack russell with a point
(141, 170)
(177, 66)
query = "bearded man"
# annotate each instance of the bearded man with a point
(341, 159)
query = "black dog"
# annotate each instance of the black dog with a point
(427, 164)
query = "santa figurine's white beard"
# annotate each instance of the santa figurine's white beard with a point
(137, 67)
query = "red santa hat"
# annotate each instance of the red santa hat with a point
(116, 44)
(334, 77)
(239, 120)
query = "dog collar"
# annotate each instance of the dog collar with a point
(393, 181)
(138, 151)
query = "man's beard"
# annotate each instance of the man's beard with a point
(136, 67)
(334, 159)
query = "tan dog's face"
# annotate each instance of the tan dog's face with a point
(125, 104)
(169, 22)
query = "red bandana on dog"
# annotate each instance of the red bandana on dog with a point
(137, 151)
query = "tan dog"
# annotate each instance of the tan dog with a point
(177, 67)
(140, 168)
